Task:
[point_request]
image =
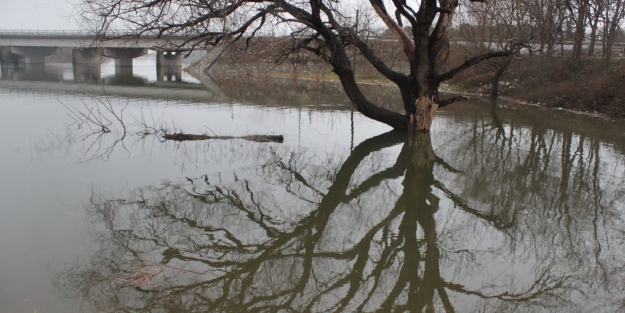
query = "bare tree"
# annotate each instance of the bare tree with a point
(596, 12)
(496, 25)
(579, 15)
(613, 16)
(324, 28)
(546, 17)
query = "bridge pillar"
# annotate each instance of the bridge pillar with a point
(169, 58)
(169, 66)
(33, 55)
(87, 73)
(123, 56)
(123, 59)
(7, 58)
(6, 70)
(37, 72)
(87, 65)
(90, 56)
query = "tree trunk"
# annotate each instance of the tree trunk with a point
(610, 35)
(580, 30)
(608, 52)
(494, 92)
(495, 88)
(501, 68)
(421, 120)
(593, 36)
(591, 44)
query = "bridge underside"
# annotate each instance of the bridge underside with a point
(87, 61)
(26, 55)
(169, 66)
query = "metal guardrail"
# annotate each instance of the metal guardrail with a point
(18, 32)
(68, 33)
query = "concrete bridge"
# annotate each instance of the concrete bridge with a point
(25, 47)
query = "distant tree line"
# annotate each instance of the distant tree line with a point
(569, 29)
(572, 28)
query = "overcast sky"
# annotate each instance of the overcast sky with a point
(52, 14)
(37, 14)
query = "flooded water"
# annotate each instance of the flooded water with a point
(502, 208)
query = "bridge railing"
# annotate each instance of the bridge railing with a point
(60, 33)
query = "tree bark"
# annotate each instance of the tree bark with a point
(500, 70)
(580, 31)
(593, 36)
(610, 32)
(494, 92)
(421, 119)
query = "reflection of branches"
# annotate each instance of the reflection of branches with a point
(101, 118)
(89, 118)
(498, 221)
(332, 237)
(98, 128)
(543, 285)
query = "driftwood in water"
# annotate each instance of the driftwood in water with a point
(256, 138)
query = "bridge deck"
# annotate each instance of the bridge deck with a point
(84, 39)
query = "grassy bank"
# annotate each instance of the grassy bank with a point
(587, 86)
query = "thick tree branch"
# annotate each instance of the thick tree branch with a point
(398, 78)
(439, 38)
(471, 62)
(401, 11)
(407, 43)
(446, 102)
(342, 67)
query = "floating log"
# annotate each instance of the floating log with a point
(255, 138)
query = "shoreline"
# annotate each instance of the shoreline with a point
(196, 69)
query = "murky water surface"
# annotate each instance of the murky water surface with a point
(502, 208)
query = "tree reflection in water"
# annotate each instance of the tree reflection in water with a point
(499, 219)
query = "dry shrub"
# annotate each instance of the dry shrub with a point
(587, 87)
(555, 82)
(548, 80)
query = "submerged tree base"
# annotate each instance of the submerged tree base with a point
(256, 138)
